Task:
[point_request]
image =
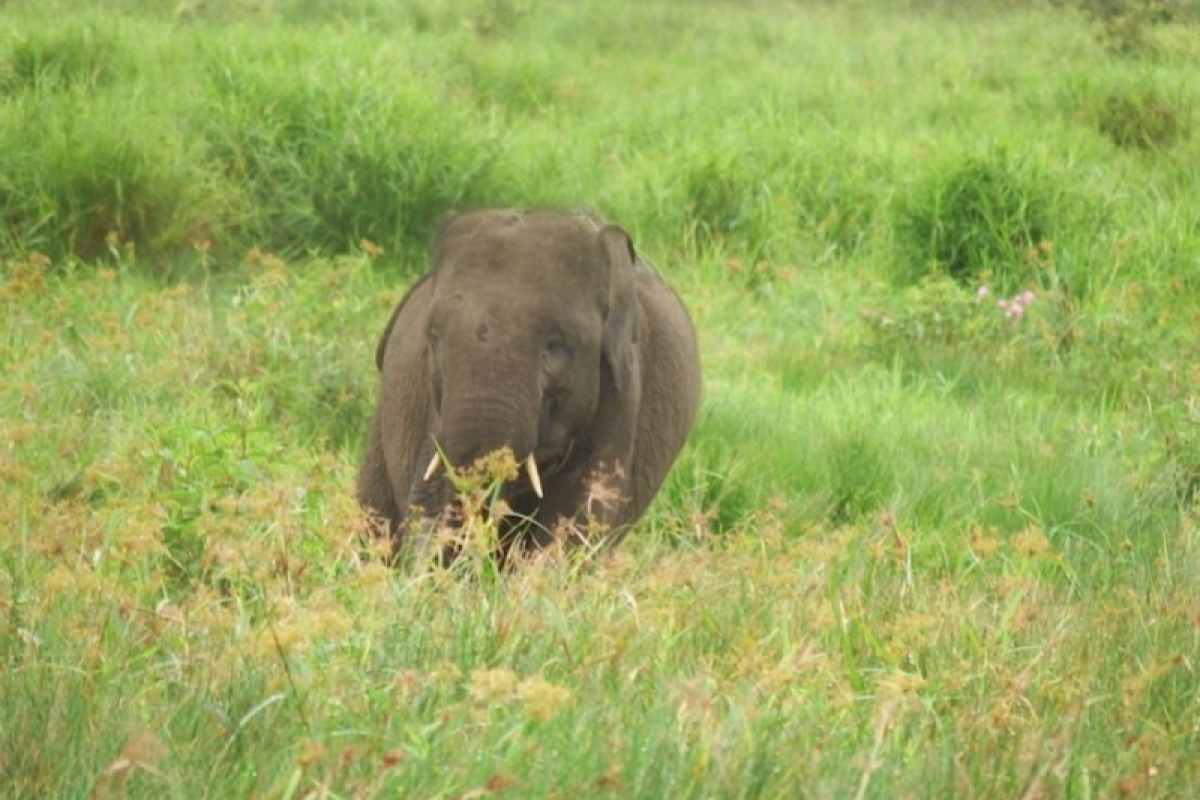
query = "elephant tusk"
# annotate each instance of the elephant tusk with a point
(534, 478)
(431, 470)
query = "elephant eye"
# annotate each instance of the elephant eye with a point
(555, 352)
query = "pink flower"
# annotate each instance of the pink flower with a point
(1026, 296)
(981, 293)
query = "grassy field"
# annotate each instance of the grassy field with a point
(937, 532)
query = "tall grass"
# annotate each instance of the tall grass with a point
(269, 136)
(919, 544)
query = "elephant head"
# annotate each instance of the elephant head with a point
(531, 342)
(539, 331)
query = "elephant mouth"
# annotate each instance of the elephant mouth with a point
(522, 496)
(556, 463)
(533, 469)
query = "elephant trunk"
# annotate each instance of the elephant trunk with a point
(486, 397)
(473, 426)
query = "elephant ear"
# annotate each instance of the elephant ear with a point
(381, 348)
(446, 224)
(620, 322)
(445, 230)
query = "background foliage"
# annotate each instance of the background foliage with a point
(937, 531)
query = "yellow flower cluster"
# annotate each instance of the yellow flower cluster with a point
(541, 699)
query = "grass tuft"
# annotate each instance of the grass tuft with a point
(1142, 119)
(99, 177)
(338, 155)
(780, 196)
(71, 56)
(977, 216)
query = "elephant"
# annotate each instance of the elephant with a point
(541, 331)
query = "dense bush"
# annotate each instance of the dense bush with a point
(75, 55)
(82, 175)
(771, 196)
(279, 147)
(1141, 118)
(1129, 27)
(336, 154)
(975, 215)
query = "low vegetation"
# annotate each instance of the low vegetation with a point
(937, 532)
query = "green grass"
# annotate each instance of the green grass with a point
(915, 547)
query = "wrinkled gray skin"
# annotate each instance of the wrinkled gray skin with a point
(540, 331)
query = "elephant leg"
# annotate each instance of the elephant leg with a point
(587, 503)
(420, 547)
(375, 494)
(587, 506)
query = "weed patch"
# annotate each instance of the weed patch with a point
(97, 178)
(976, 216)
(80, 56)
(1129, 27)
(336, 156)
(1141, 119)
(771, 199)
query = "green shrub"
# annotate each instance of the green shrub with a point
(511, 79)
(1140, 118)
(861, 472)
(975, 215)
(82, 175)
(1149, 11)
(332, 155)
(77, 55)
(710, 484)
(720, 196)
(761, 200)
(936, 311)
(1127, 26)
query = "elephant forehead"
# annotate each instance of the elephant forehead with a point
(514, 310)
(506, 314)
(524, 256)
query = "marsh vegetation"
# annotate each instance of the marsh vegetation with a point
(938, 529)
